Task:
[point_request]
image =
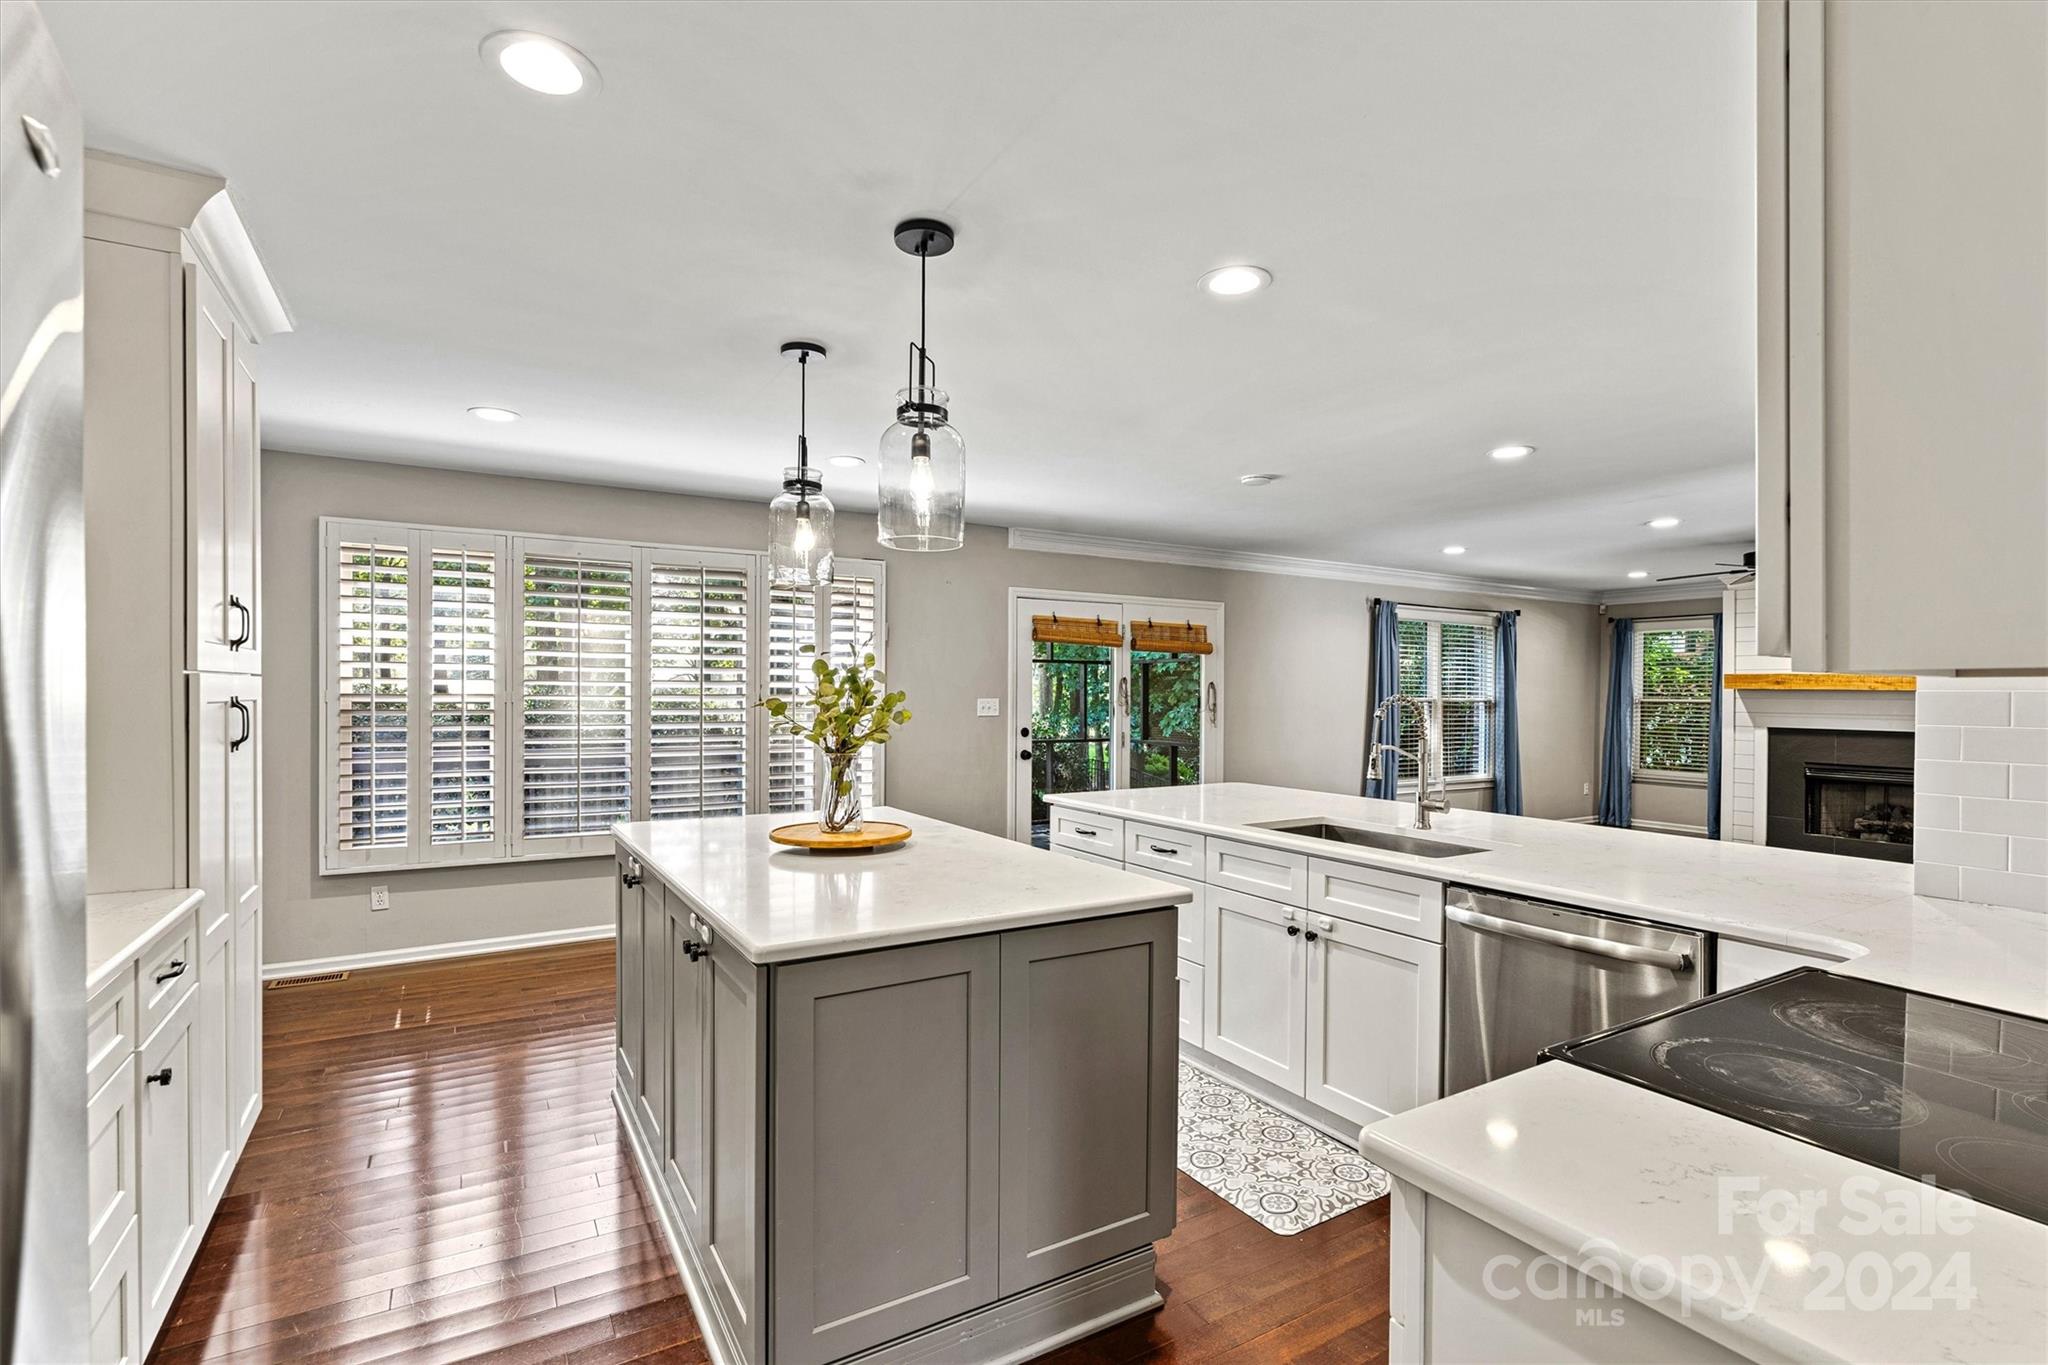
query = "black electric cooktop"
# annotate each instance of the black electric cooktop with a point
(1927, 1087)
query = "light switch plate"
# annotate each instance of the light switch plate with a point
(380, 898)
(988, 706)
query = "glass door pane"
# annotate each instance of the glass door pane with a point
(1071, 724)
(1166, 719)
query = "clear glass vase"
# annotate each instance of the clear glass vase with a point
(839, 812)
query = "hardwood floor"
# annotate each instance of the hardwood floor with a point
(438, 1175)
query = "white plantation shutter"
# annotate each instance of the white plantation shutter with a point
(1446, 662)
(575, 721)
(1673, 668)
(464, 682)
(370, 637)
(792, 623)
(855, 625)
(697, 697)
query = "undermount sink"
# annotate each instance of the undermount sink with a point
(1370, 838)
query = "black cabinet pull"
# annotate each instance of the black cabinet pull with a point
(1294, 929)
(1087, 833)
(158, 1077)
(248, 723)
(1164, 850)
(248, 629)
(174, 970)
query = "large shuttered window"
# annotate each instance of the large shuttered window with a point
(1446, 663)
(492, 696)
(1673, 670)
(370, 636)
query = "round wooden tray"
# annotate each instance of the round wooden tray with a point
(872, 834)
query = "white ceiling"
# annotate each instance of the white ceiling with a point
(1486, 222)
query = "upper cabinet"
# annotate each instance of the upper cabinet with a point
(1902, 262)
(221, 466)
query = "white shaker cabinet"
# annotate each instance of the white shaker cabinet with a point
(1254, 1007)
(222, 463)
(172, 1212)
(1902, 257)
(1375, 1019)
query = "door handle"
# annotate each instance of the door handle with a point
(1666, 958)
(248, 724)
(1123, 693)
(1212, 701)
(1023, 755)
(158, 1077)
(172, 972)
(248, 629)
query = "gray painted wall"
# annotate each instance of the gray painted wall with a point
(1668, 803)
(1294, 684)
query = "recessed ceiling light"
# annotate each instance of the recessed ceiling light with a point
(1511, 452)
(1454, 549)
(1661, 523)
(1233, 280)
(1638, 573)
(494, 414)
(847, 461)
(542, 64)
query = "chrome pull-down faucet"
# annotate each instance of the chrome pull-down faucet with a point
(1424, 802)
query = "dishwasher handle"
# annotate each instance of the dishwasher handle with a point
(1666, 958)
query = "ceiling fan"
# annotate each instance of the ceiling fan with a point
(1720, 569)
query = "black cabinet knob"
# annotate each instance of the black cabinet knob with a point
(1311, 936)
(1294, 929)
(158, 1077)
(694, 950)
(628, 879)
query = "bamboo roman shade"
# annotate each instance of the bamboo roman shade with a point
(1171, 637)
(1076, 630)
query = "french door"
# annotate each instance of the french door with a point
(1109, 693)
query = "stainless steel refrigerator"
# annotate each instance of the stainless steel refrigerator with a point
(42, 704)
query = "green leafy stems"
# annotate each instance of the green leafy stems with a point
(849, 708)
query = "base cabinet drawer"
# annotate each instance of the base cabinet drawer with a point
(167, 969)
(1273, 873)
(1083, 855)
(1090, 833)
(1385, 900)
(113, 1306)
(1154, 848)
(1188, 977)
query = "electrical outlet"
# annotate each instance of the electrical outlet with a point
(1585, 789)
(988, 706)
(380, 898)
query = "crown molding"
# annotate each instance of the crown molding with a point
(168, 201)
(1252, 561)
(1707, 590)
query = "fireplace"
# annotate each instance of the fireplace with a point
(1841, 791)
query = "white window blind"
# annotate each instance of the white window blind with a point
(491, 696)
(1673, 669)
(697, 682)
(1445, 661)
(370, 632)
(463, 687)
(575, 708)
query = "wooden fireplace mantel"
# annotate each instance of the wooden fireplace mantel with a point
(1820, 682)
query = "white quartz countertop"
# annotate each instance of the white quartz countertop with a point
(119, 923)
(780, 904)
(1860, 912)
(1675, 1205)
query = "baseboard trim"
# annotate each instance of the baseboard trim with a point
(1668, 827)
(435, 952)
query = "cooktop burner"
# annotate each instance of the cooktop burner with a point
(1927, 1087)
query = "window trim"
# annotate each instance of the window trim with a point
(1433, 674)
(510, 845)
(1645, 626)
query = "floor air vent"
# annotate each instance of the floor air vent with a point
(312, 980)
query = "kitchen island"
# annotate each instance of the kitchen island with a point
(917, 1104)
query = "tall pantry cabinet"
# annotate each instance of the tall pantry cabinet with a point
(175, 300)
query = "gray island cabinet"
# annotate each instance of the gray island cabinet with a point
(911, 1105)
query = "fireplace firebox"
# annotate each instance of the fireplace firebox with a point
(1841, 791)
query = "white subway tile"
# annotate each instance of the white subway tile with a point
(1934, 879)
(1963, 708)
(2007, 745)
(2030, 856)
(2029, 782)
(2015, 889)
(1986, 851)
(2027, 819)
(1960, 779)
(2030, 708)
(1938, 742)
(1937, 812)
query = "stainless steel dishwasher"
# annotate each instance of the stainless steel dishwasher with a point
(1520, 975)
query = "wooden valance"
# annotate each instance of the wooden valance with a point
(1171, 637)
(1821, 682)
(1076, 630)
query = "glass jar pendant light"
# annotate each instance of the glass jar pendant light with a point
(922, 471)
(800, 518)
